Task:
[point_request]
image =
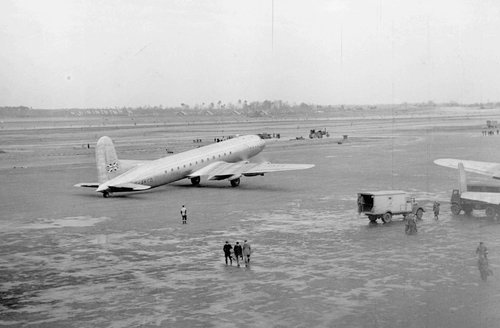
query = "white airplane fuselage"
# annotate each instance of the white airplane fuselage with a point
(179, 166)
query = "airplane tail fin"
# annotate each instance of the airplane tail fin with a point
(108, 165)
(462, 178)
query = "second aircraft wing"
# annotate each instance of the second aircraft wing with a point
(484, 168)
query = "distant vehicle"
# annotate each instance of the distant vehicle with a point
(225, 160)
(471, 197)
(387, 203)
(318, 133)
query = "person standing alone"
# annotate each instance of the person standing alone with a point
(184, 214)
(435, 209)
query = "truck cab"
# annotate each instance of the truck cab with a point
(387, 203)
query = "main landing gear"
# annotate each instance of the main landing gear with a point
(235, 182)
(195, 181)
(106, 194)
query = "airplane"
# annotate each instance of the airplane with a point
(218, 161)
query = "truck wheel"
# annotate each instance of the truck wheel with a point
(419, 214)
(490, 212)
(455, 209)
(387, 217)
(372, 218)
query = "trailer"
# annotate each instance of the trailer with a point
(467, 205)
(385, 204)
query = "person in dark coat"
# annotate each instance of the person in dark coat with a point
(238, 252)
(227, 252)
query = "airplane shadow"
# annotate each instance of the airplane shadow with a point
(220, 187)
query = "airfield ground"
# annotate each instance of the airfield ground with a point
(70, 258)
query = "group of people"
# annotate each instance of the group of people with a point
(490, 132)
(411, 221)
(242, 252)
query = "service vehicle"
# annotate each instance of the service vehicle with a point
(385, 204)
(475, 198)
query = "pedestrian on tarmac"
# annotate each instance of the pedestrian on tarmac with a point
(238, 252)
(184, 214)
(247, 251)
(227, 252)
(411, 224)
(435, 209)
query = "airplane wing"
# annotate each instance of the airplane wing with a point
(486, 197)
(224, 170)
(484, 168)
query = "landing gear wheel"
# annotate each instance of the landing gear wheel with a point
(106, 194)
(195, 181)
(455, 209)
(387, 217)
(490, 212)
(235, 182)
(420, 213)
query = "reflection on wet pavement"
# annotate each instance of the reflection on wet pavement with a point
(309, 268)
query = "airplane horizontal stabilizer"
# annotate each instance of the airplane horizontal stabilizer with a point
(128, 187)
(484, 168)
(87, 185)
(485, 197)
(224, 170)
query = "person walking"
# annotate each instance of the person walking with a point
(482, 261)
(435, 209)
(411, 225)
(227, 252)
(481, 250)
(238, 252)
(247, 251)
(184, 214)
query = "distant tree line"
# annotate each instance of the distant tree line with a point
(241, 107)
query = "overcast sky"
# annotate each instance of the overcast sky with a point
(71, 53)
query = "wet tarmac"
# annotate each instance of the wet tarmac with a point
(70, 258)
